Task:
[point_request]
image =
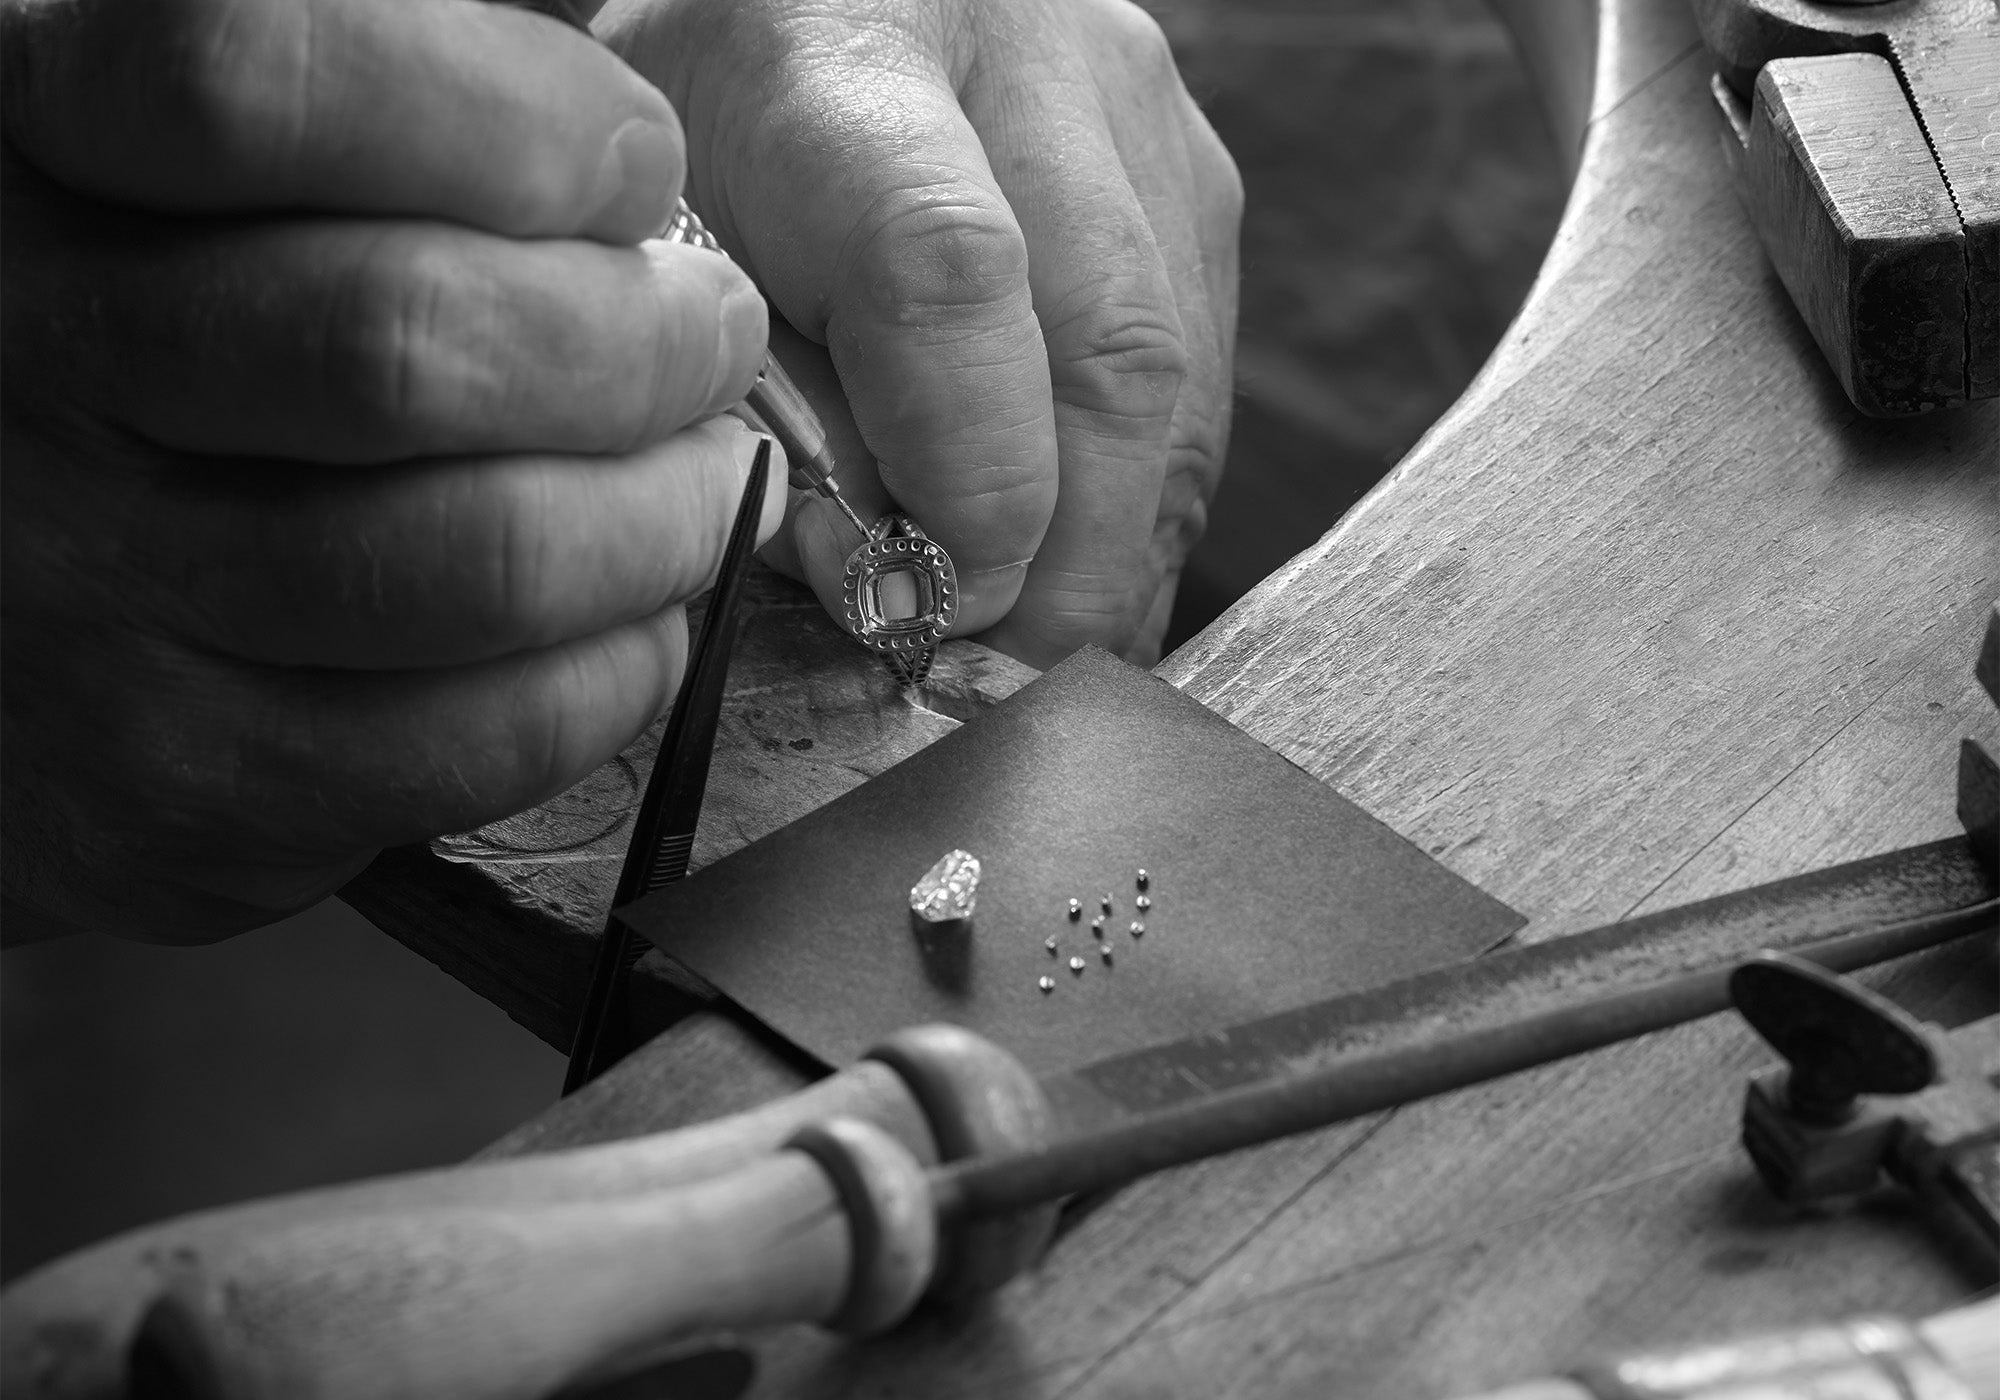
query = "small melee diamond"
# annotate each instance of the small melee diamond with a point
(1076, 965)
(948, 891)
(1104, 951)
(1143, 902)
(1144, 878)
(1047, 984)
(1075, 910)
(1050, 944)
(1106, 902)
(1138, 929)
(1097, 926)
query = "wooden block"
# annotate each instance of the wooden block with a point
(1861, 228)
(1946, 66)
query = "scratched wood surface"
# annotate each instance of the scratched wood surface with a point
(514, 910)
(1651, 615)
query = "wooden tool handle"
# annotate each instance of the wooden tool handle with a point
(67, 1330)
(518, 1303)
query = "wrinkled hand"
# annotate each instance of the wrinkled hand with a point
(350, 484)
(1015, 235)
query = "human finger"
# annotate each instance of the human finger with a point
(434, 563)
(1110, 274)
(451, 748)
(1194, 198)
(1198, 443)
(484, 114)
(857, 194)
(259, 787)
(363, 341)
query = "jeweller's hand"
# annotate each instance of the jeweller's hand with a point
(1016, 237)
(355, 467)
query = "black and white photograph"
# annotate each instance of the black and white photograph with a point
(999, 699)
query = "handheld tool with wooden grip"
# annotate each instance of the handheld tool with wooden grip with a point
(511, 1279)
(557, 1246)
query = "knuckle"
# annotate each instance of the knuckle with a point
(1141, 40)
(1216, 173)
(238, 77)
(924, 252)
(1199, 446)
(1120, 357)
(1098, 612)
(472, 547)
(399, 348)
(513, 602)
(1226, 180)
(540, 754)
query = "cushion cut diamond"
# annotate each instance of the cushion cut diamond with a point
(948, 890)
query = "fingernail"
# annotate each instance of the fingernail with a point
(747, 442)
(635, 187)
(741, 341)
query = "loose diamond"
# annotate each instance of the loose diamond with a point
(948, 891)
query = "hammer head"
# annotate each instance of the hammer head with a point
(1866, 145)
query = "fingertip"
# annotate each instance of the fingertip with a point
(673, 643)
(744, 444)
(824, 539)
(638, 180)
(484, 115)
(773, 517)
(719, 318)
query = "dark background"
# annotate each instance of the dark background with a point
(1401, 191)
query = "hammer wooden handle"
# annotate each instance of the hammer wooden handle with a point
(518, 1303)
(482, 1243)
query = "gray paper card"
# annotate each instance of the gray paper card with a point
(1269, 890)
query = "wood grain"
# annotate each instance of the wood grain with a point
(514, 910)
(1650, 615)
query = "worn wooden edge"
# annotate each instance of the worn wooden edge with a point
(514, 911)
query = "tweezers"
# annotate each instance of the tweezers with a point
(663, 830)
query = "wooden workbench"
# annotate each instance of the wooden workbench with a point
(1650, 615)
